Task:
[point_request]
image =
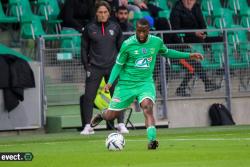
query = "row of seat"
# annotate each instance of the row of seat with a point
(19, 11)
(46, 13)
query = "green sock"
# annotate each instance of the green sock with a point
(151, 133)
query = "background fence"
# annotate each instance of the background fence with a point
(225, 64)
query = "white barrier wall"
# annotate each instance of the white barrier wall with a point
(28, 113)
(194, 112)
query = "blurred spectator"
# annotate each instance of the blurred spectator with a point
(77, 13)
(187, 14)
(115, 4)
(101, 41)
(130, 7)
(144, 5)
(122, 19)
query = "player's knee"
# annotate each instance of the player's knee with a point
(111, 115)
(147, 106)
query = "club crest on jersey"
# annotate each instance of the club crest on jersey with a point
(143, 62)
(111, 32)
(144, 50)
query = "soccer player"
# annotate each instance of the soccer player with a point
(134, 66)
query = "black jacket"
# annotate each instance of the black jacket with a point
(15, 75)
(126, 27)
(77, 13)
(184, 19)
(100, 44)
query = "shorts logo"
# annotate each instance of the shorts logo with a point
(143, 62)
(116, 99)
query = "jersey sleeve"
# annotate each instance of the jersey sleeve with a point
(163, 49)
(171, 53)
(122, 55)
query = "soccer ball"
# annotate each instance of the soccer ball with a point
(115, 142)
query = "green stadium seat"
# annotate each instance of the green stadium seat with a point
(243, 45)
(164, 14)
(223, 18)
(21, 9)
(242, 5)
(245, 18)
(6, 19)
(31, 28)
(162, 4)
(210, 62)
(233, 5)
(236, 60)
(206, 7)
(212, 33)
(217, 59)
(71, 44)
(210, 5)
(50, 10)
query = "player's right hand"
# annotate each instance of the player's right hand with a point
(196, 56)
(107, 87)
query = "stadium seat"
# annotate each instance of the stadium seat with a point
(213, 33)
(245, 18)
(71, 44)
(162, 4)
(21, 9)
(206, 7)
(31, 28)
(164, 14)
(6, 19)
(216, 4)
(50, 10)
(236, 60)
(238, 5)
(210, 5)
(233, 5)
(210, 61)
(217, 51)
(243, 45)
(223, 18)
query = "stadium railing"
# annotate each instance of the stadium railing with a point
(225, 63)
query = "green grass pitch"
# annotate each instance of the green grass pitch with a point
(180, 147)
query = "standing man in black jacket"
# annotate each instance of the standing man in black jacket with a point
(101, 41)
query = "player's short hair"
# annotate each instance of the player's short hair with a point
(143, 22)
(102, 3)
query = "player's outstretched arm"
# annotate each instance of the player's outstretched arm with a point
(196, 56)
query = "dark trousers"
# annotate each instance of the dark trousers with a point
(196, 64)
(188, 76)
(91, 86)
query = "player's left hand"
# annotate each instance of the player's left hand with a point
(107, 87)
(196, 56)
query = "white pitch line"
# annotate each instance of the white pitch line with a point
(133, 140)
